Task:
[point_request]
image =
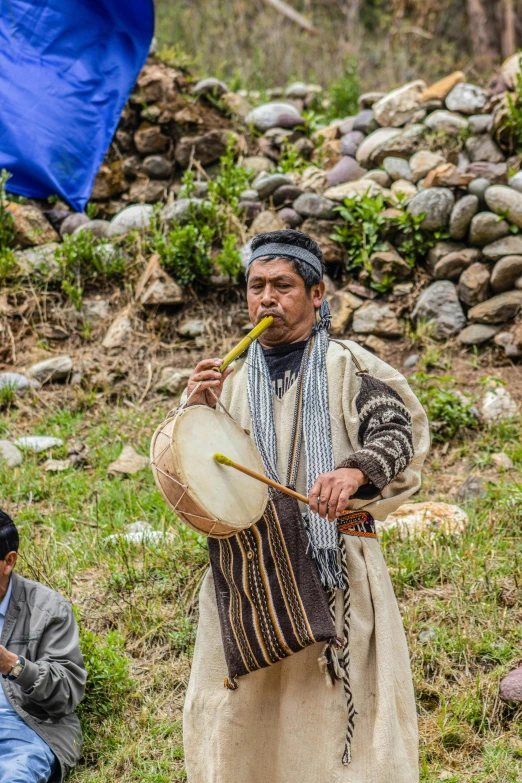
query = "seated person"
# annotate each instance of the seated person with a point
(43, 675)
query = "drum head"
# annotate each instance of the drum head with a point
(223, 492)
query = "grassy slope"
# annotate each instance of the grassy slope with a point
(251, 45)
(465, 589)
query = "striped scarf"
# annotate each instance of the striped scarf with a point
(322, 534)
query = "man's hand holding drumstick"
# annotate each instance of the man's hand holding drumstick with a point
(210, 382)
(330, 494)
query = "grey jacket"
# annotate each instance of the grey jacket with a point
(40, 625)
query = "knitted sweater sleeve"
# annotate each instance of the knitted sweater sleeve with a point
(385, 435)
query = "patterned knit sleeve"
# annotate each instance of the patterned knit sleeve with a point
(385, 434)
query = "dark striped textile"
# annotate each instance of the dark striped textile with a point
(270, 600)
(385, 434)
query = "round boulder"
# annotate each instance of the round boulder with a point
(137, 216)
(461, 216)
(446, 122)
(157, 167)
(507, 246)
(210, 86)
(346, 170)
(422, 162)
(313, 205)
(505, 273)
(372, 143)
(477, 187)
(436, 203)
(467, 99)
(439, 305)
(515, 182)
(505, 201)
(486, 227)
(397, 168)
(351, 142)
(100, 229)
(473, 286)
(268, 115)
(476, 334)
(497, 310)
(72, 222)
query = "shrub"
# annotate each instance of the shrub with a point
(7, 260)
(447, 409)
(184, 252)
(344, 93)
(291, 160)
(108, 678)
(364, 231)
(228, 260)
(341, 100)
(6, 220)
(414, 242)
(513, 121)
(83, 259)
(190, 251)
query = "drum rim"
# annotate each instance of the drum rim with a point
(181, 475)
(179, 513)
(157, 481)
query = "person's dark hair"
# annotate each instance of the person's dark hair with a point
(8, 535)
(290, 236)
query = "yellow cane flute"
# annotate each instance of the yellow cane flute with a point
(222, 460)
(246, 342)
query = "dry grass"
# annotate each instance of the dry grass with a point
(464, 590)
(251, 45)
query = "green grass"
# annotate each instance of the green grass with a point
(141, 601)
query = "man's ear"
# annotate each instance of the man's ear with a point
(10, 560)
(318, 290)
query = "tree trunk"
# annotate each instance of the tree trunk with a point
(483, 48)
(508, 33)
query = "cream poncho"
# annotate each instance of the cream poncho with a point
(283, 725)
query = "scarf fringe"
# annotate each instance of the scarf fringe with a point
(330, 572)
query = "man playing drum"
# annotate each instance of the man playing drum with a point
(364, 439)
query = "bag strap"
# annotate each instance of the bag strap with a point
(360, 369)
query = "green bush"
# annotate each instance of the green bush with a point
(6, 220)
(83, 259)
(513, 121)
(341, 100)
(184, 252)
(448, 411)
(189, 252)
(7, 260)
(108, 678)
(291, 160)
(364, 232)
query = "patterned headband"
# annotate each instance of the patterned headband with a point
(275, 249)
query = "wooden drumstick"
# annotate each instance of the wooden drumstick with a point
(222, 460)
(259, 476)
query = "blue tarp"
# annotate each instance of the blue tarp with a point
(66, 71)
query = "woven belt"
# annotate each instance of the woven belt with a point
(357, 523)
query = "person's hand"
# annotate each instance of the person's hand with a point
(206, 372)
(7, 660)
(331, 492)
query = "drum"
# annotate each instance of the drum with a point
(213, 499)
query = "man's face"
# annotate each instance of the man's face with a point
(274, 288)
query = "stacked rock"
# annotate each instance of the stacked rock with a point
(437, 152)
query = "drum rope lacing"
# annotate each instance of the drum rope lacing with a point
(176, 412)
